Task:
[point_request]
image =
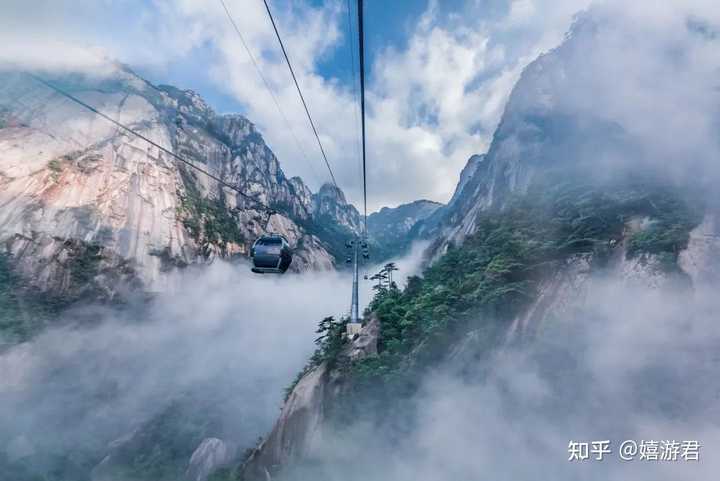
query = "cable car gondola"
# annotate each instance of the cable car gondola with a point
(271, 254)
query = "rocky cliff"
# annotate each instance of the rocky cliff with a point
(329, 203)
(87, 206)
(298, 433)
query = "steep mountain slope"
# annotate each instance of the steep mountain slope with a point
(525, 274)
(88, 207)
(552, 125)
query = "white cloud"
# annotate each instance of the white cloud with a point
(220, 335)
(438, 101)
(649, 72)
(431, 103)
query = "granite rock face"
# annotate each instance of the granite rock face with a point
(298, 431)
(69, 178)
(211, 454)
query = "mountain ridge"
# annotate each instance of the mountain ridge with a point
(69, 175)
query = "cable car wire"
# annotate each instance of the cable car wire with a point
(297, 86)
(362, 105)
(149, 141)
(268, 87)
(356, 118)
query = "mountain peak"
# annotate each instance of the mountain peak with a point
(159, 214)
(330, 191)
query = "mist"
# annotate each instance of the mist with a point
(410, 264)
(223, 339)
(626, 362)
(633, 88)
(224, 336)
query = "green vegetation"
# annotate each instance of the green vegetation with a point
(85, 264)
(49, 467)
(667, 232)
(23, 312)
(482, 285)
(56, 169)
(329, 344)
(389, 234)
(55, 166)
(332, 234)
(224, 474)
(208, 221)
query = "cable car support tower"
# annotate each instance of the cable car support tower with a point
(360, 240)
(354, 316)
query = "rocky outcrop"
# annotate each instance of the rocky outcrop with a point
(454, 215)
(297, 429)
(68, 176)
(211, 454)
(77, 269)
(701, 259)
(566, 287)
(330, 203)
(297, 434)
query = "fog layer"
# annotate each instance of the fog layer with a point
(230, 339)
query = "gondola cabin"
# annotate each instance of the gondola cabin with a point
(271, 254)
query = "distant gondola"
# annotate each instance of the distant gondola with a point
(271, 254)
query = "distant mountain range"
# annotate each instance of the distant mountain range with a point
(394, 229)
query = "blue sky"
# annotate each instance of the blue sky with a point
(387, 25)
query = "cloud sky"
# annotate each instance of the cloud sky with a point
(439, 74)
(437, 80)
